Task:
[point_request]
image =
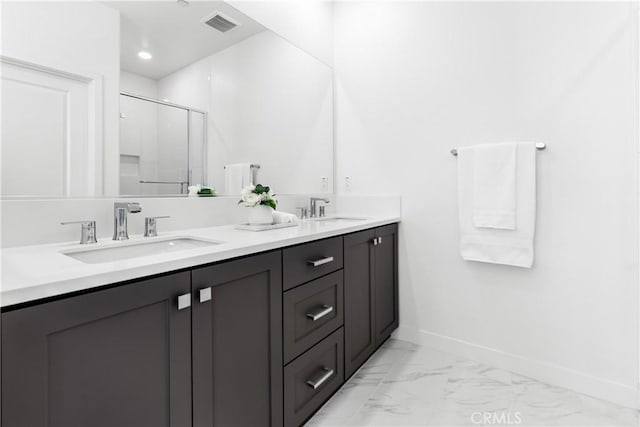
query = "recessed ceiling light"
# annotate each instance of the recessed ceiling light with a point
(183, 3)
(144, 55)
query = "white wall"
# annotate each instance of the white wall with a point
(185, 213)
(138, 85)
(269, 103)
(416, 79)
(86, 42)
(188, 86)
(307, 24)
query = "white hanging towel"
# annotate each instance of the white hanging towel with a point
(236, 177)
(497, 203)
(494, 186)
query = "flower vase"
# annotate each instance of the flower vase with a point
(261, 215)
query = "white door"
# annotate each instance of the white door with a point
(48, 148)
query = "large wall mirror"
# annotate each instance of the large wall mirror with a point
(203, 94)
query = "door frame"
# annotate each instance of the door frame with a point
(95, 119)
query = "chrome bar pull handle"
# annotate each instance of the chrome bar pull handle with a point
(184, 301)
(379, 240)
(326, 309)
(328, 373)
(319, 262)
(205, 294)
(375, 241)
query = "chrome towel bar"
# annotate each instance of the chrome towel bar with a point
(251, 166)
(539, 146)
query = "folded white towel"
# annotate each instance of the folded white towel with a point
(236, 177)
(495, 245)
(494, 186)
(284, 218)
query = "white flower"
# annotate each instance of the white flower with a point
(252, 199)
(247, 190)
(194, 189)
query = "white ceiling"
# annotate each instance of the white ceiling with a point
(174, 34)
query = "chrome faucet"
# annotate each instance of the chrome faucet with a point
(313, 211)
(120, 210)
(88, 231)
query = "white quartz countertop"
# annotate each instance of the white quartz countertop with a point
(31, 273)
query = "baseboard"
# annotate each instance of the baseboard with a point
(581, 382)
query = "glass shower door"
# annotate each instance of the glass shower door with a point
(156, 139)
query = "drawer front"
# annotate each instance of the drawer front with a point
(312, 378)
(311, 260)
(311, 312)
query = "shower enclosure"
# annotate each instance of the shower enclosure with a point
(162, 146)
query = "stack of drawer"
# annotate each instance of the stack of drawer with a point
(313, 333)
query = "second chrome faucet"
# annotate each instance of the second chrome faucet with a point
(313, 212)
(120, 211)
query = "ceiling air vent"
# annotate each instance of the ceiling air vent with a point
(220, 22)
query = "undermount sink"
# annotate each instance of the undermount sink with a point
(336, 219)
(137, 249)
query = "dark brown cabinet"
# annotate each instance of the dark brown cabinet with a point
(311, 260)
(129, 356)
(313, 317)
(312, 378)
(237, 343)
(262, 340)
(385, 282)
(116, 357)
(370, 292)
(312, 312)
(359, 319)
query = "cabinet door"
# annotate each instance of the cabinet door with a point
(311, 312)
(116, 357)
(237, 343)
(386, 282)
(359, 299)
(312, 378)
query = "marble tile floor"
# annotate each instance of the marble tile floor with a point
(405, 384)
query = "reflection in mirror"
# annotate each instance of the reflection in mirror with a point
(161, 146)
(105, 120)
(271, 104)
(44, 132)
(268, 103)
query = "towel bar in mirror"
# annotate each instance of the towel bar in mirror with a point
(539, 146)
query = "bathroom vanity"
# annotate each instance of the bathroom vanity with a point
(210, 326)
(259, 330)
